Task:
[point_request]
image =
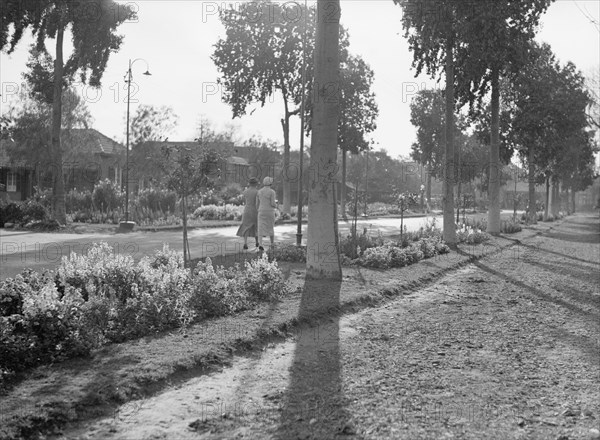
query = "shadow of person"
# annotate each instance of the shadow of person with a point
(313, 406)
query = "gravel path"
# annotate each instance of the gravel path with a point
(505, 348)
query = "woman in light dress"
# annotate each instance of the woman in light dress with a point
(249, 227)
(266, 203)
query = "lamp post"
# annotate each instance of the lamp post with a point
(301, 164)
(127, 225)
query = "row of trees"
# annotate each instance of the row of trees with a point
(483, 48)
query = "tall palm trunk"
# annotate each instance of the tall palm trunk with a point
(59, 181)
(449, 168)
(493, 223)
(322, 257)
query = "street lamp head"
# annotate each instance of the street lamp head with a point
(147, 73)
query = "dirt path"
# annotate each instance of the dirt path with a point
(506, 348)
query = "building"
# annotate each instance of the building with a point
(149, 162)
(88, 157)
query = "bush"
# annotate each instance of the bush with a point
(23, 212)
(288, 252)
(213, 212)
(76, 201)
(354, 246)
(102, 297)
(470, 235)
(33, 211)
(107, 195)
(510, 227)
(50, 328)
(232, 194)
(263, 280)
(154, 199)
(217, 291)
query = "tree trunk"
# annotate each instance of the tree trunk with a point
(493, 224)
(59, 187)
(532, 211)
(547, 207)
(572, 201)
(449, 169)
(555, 199)
(428, 188)
(343, 189)
(322, 257)
(287, 196)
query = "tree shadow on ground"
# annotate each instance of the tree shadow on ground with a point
(575, 238)
(313, 406)
(577, 273)
(548, 251)
(587, 345)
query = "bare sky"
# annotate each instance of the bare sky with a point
(177, 37)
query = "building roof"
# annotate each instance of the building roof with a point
(76, 142)
(90, 140)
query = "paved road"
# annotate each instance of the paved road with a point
(19, 249)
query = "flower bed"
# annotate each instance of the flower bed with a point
(222, 212)
(104, 297)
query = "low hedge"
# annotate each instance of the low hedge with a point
(103, 297)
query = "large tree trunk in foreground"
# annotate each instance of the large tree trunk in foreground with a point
(449, 168)
(59, 181)
(531, 177)
(322, 256)
(493, 223)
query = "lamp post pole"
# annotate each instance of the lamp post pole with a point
(127, 225)
(301, 162)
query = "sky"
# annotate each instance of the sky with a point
(176, 39)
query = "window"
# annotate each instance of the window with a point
(11, 182)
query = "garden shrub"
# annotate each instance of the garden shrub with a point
(223, 212)
(22, 212)
(157, 199)
(355, 245)
(100, 272)
(107, 195)
(77, 201)
(470, 235)
(510, 227)
(104, 297)
(51, 327)
(263, 280)
(232, 194)
(288, 252)
(33, 211)
(217, 291)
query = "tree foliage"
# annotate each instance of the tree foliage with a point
(152, 123)
(92, 30)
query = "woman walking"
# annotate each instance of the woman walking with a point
(266, 204)
(248, 228)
